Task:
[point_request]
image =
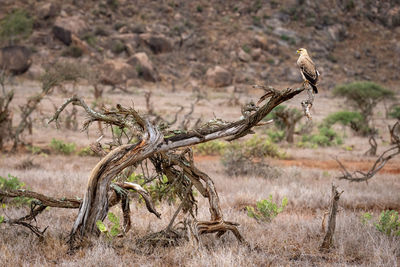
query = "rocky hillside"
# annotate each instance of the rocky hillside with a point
(213, 43)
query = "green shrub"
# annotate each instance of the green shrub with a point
(388, 222)
(90, 38)
(214, 147)
(13, 183)
(276, 136)
(266, 210)
(326, 137)
(16, 25)
(112, 231)
(85, 152)
(118, 47)
(243, 158)
(72, 51)
(345, 118)
(159, 188)
(61, 147)
(395, 112)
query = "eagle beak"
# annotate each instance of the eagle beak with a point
(298, 51)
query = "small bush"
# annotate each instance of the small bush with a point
(13, 183)
(243, 158)
(86, 152)
(326, 137)
(90, 38)
(118, 47)
(395, 112)
(388, 222)
(266, 210)
(345, 118)
(61, 147)
(112, 231)
(16, 25)
(276, 136)
(72, 51)
(159, 188)
(214, 147)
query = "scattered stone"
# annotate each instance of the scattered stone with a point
(260, 41)
(47, 10)
(357, 55)
(15, 59)
(74, 24)
(62, 34)
(218, 77)
(116, 72)
(158, 43)
(144, 67)
(243, 56)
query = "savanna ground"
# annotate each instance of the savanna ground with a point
(291, 239)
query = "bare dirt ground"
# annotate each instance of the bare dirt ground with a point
(291, 239)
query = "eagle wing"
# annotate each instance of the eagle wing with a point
(309, 70)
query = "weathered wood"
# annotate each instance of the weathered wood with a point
(95, 206)
(333, 209)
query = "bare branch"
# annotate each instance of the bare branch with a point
(387, 155)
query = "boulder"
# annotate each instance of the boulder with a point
(47, 11)
(15, 59)
(144, 67)
(62, 34)
(158, 43)
(74, 24)
(218, 77)
(243, 56)
(260, 41)
(116, 72)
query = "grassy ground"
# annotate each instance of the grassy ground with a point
(291, 239)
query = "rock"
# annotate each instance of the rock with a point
(158, 43)
(47, 10)
(260, 41)
(116, 72)
(74, 24)
(15, 59)
(62, 34)
(293, 74)
(243, 56)
(256, 53)
(337, 32)
(218, 77)
(144, 67)
(357, 55)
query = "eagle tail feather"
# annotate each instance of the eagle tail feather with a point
(314, 88)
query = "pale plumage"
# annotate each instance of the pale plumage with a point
(308, 70)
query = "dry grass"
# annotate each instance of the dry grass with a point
(292, 238)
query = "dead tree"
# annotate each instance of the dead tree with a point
(333, 209)
(162, 148)
(162, 151)
(360, 176)
(52, 78)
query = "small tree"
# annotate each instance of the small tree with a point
(363, 96)
(286, 118)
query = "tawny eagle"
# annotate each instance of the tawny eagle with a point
(307, 68)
